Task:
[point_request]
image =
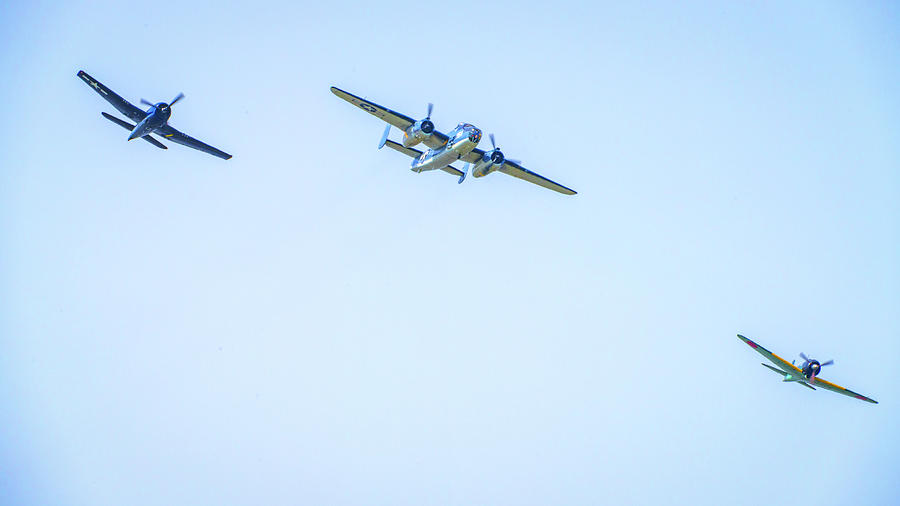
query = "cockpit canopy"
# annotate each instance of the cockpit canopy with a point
(464, 130)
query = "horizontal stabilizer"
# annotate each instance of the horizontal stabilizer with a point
(128, 126)
(779, 371)
(453, 171)
(410, 152)
(415, 153)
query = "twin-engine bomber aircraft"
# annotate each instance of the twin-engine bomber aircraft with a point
(806, 374)
(460, 144)
(153, 120)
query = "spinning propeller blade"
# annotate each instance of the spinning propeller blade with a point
(804, 357)
(430, 107)
(495, 148)
(176, 99)
(823, 364)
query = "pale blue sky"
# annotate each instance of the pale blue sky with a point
(312, 323)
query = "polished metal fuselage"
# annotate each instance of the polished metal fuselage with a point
(463, 139)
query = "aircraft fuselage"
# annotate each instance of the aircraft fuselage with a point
(463, 139)
(157, 117)
(811, 369)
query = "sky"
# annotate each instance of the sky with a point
(312, 323)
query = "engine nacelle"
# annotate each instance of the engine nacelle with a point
(491, 161)
(417, 132)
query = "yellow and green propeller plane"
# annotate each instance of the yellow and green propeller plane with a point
(806, 374)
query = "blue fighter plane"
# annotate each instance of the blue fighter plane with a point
(152, 121)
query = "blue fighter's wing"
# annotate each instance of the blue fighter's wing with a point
(170, 134)
(123, 106)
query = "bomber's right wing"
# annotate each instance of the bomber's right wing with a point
(395, 118)
(415, 153)
(123, 106)
(782, 364)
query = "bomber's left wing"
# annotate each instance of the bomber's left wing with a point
(782, 364)
(123, 106)
(173, 135)
(399, 120)
(827, 385)
(516, 170)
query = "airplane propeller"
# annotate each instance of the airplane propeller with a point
(176, 99)
(815, 366)
(823, 364)
(499, 159)
(427, 126)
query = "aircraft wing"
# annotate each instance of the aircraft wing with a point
(516, 170)
(128, 126)
(782, 364)
(123, 106)
(173, 135)
(396, 146)
(473, 156)
(395, 118)
(415, 153)
(827, 385)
